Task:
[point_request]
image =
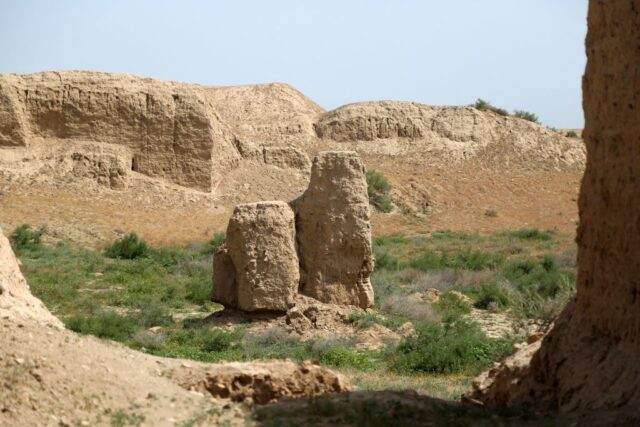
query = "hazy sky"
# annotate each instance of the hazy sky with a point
(524, 54)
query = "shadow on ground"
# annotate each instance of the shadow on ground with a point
(388, 408)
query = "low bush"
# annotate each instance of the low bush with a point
(493, 294)
(216, 241)
(378, 188)
(458, 347)
(465, 259)
(128, 247)
(25, 239)
(526, 116)
(483, 105)
(451, 307)
(571, 134)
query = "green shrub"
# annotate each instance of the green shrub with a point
(492, 294)
(483, 105)
(526, 116)
(24, 239)
(571, 134)
(378, 188)
(451, 307)
(102, 324)
(384, 260)
(128, 247)
(215, 242)
(540, 278)
(448, 348)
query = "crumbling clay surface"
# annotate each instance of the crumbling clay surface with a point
(167, 125)
(261, 382)
(260, 245)
(588, 361)
(334, 232)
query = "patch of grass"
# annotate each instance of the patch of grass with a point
(102, 324)
(473, 260)
(532, 234)
(24, 239)
(128, 247)
(448, 348)
(391, 239)
(378, 188)
(493, 294)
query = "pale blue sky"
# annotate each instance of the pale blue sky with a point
(524, 54)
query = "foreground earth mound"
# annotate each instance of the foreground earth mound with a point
(51, 376)
(334, 232)
(588, 359)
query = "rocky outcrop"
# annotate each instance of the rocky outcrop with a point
(167, 125)
(257, 268)
(334, 232)
(457, 132)
(588, 361)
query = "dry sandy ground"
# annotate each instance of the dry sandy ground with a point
(463, 198)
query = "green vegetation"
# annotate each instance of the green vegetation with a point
(526, 116)
(23, 239)
(483, 105)
(571, 134)
(128, 247)
(158, 302)
(453, 347)
(378, 188)
(215, 242)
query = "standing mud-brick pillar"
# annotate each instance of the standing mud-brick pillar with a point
(589, 360)
(257, 267)
(334, 232)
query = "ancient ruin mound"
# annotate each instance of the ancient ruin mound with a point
(588, 361)
(323, 250)
(272, 113)
(167, 126)
(455, 132)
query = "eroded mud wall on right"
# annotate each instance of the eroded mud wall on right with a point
(589, 360)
